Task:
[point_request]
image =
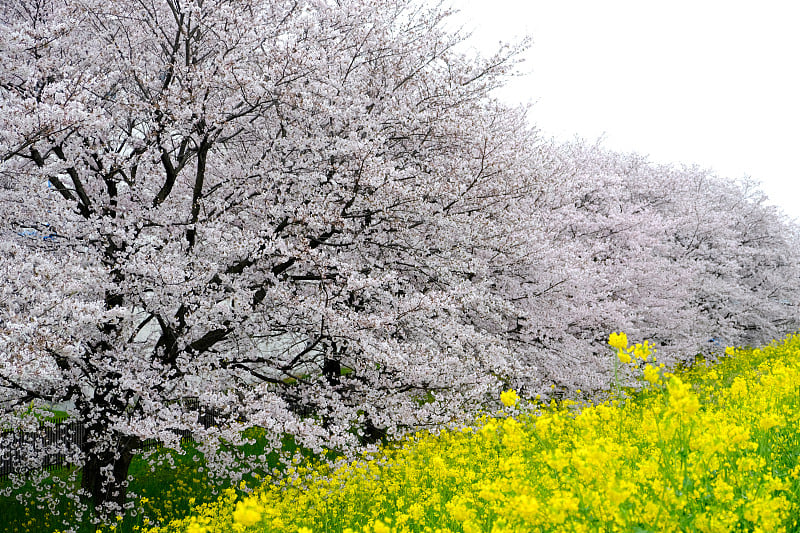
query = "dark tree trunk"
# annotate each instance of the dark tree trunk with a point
(107, 456)
(104, 478)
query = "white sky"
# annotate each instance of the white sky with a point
(711, 82)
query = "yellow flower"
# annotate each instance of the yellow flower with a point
(729, 350)
(460, 511)
(618, 340)
(681, 398)
(769, 421)
(650, 512)
(651, 373)
(246, 513)
(416, 511)
(509, 398)
(643, 350)
(194, 527)
(558, 460)
(379, 527)
(562, 504)
(625, 357)
(566, 469)
(723, 491)
(471, 527)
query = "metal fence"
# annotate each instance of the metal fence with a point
(51, 440)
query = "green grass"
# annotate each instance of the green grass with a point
(168, 490)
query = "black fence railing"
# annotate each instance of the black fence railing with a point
(49, 442)
(52, 440)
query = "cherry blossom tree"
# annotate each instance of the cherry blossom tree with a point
(602, 265)
(748, 256)
(312, 217)
(666, 253)
(286, 212)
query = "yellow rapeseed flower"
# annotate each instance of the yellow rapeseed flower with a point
(246, 513)
(651, 374)
(618, 340)
(643, 351)
(681, 398)
(509, 398)
(655, 461)
(379, 527)
(194, 527)
(769, 421)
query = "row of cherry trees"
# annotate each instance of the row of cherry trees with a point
(673, 254)
(311, 216)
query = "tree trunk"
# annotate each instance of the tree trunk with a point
(104, 479)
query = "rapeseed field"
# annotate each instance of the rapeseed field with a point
(714, 448)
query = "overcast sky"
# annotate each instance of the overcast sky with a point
(712, 82)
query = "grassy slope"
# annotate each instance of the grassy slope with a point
(714, 449)
(451, 482)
